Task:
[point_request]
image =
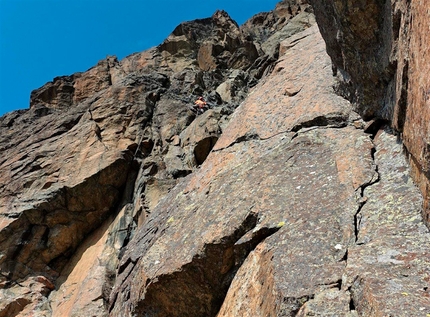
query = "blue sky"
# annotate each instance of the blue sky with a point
(42, 39)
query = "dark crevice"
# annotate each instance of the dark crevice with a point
(322, 121)
(109, 79)
(352, 289)
(345, 256)
(9, 280)
(397, 22)
(263, 64)
(110, 297)
(203, 148)
(72, 122)
(245, 138)
(60, 261)
(357, 220)
(200, 286)
(45, 236)
(122, 268)
(26, 235)
(373, 126)
(180, 173)
(292, 93)
(249, 241)
(98, 133)
(298, 39)
(126, 201)
(403, 99)
(372, 154)
(351, 304)
(335, 284)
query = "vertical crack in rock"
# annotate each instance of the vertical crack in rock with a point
(48, 235)
(351, 302)
(199, 287)
(389, 263)
(362, 199)
(100, 252)
(352, 289)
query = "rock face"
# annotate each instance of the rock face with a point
(117, 200)
(416, 130)
(379, 52)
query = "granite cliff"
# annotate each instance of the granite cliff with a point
(302, 191)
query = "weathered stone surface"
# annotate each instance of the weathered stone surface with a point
(305, 257)
(388, 267)
(303, 99)
(379, 50)
(63, 174)
(268, 29)
(385, 268)
(263, 25)
(116, 137)
(120, 201)
(210, 43)
(255, 203)
(278, 236)
(85, 282)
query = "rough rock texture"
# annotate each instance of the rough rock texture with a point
(379, 51)
(293, 173)
(279, 200)
(96, 151)
(416, 130)
(388, 267)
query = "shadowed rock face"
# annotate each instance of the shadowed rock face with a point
(279, 200)
(416, 129)
(378, 49)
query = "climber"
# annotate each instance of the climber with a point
(200, 105)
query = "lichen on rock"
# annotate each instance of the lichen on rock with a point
(279, 200)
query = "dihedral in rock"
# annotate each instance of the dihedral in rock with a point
(279, 200)
(280, 209)
(379, 52)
